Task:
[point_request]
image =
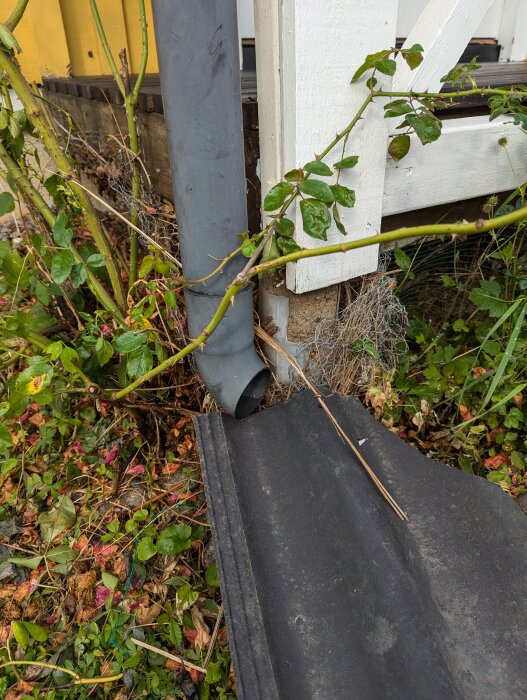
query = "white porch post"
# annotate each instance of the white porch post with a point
(307, 52)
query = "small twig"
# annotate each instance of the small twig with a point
(381, 488)
(152, 242)
(167, 655)
(214, 637)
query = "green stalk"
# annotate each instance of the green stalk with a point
(446, 95)
(201, 340)
(130, 102)
(36, 199)
(477, 227)
(34, 114)
(400, 234)
(16, 15)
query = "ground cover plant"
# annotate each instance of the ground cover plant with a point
(104, 537)
(458, 394)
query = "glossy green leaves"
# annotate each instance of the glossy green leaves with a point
(399, 146)
(317, 189)
(277, 196)
(316, 218)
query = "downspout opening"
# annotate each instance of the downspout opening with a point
(252, 394)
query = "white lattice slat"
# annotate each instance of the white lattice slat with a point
(513, 31)
(443, 29)
(466, 162)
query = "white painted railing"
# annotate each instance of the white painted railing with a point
(307, 50)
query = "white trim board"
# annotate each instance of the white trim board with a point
(465, 162)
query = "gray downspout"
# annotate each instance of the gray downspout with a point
(199, 62)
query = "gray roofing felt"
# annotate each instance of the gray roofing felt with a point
(328, 594)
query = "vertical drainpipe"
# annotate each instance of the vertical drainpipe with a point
(199, 64)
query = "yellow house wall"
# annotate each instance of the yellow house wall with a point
(58, 37)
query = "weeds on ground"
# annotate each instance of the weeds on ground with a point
(105, 546)
(459, 394)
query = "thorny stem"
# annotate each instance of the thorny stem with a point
(445, 95)
(476, 227)
(130, 98)
(39, 123)
(36, 199)
(16, 15)
(106, 47)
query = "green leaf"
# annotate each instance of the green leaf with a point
(317, 167)
(14, 271)
(139, 361)
(369, 63)
(248, 248)
(367, 346)
(211, 575)
(146, 548)
(213, 673)
(170, 299)
(174, 632)
(348, 162)
(7, 203)
(396, 108)
(386, 65)
(62, 554)
(42, 293)
(6, 441)
(79, 274)
(316, 218)
(36, 631)
(337, 220)
(20, 633)
(427, 128)
(96, 260)
(505, 357)
(413, 56)
(287, 245)
(487, 297)
(174, 539)
(67, 357)
(147, 265)
(294, 175)
(270, 251)
(62, 234)
(317, 189)
(103, 351)
(28, 562)
(130, 341)
(343, 195)
(61, 266)
(402, 259)
(399, 146)
(55, 521)
(185, 598)
(109, 580)
(285, 227)
(277, 196)
(54, 349)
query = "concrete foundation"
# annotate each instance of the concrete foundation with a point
(292, 318)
